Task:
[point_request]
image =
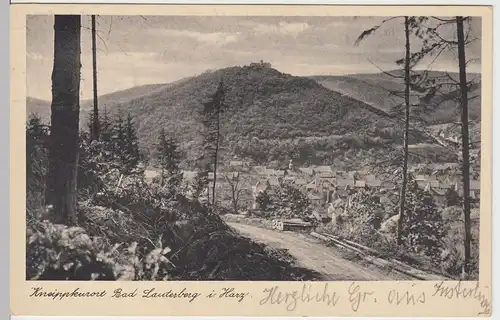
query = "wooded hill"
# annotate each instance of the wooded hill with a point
(270, 116)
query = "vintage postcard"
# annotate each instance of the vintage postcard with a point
(251, 160)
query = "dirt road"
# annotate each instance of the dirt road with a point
(312, 254)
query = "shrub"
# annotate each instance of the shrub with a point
(58, 252)
(363, 218)
(36, 166)
(423, 227)
(284, 200)
(452, 259)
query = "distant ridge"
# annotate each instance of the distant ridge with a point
(270, 116)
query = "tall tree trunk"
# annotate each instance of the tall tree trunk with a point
(95, 123)
(65, 112)
(216, 156)
(407, 126)
(162, 177)
(465, 138)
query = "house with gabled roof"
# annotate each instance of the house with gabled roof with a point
(306, 171)
(360, 183)
(329, 183)
(341, 175)
(300, 182)
(319, 169)
(273, 181)
(260, 170)
(374, 183)
(345, 183)
(421, 177)
(388, 185)
(369, 177)
(438, 194)
(353, 175)
(315, 199)
(433, 183)
(279, 173)
(444, 185)
(311, 185)
(325, 175)
(236, 163)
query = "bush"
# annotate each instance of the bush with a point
(58, 252)
(453, 257)
(363, 218)
(284, 200)
(36, 167)
(423, 228)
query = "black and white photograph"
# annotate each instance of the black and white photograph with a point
(253, 148)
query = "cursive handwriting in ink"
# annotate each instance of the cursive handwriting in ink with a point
(356, 296)
(459, 292)
(406, 297)
(273, 295)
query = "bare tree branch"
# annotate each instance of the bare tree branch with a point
(368, 32)
(385, 72)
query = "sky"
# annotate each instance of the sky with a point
(139, 50)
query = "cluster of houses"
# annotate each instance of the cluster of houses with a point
(321, 184)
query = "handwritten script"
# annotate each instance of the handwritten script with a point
(357, 296)
(460, 291)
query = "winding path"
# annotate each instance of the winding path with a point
(312, 254)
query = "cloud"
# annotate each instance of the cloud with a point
(282, 27)
(218, 38)
(136, 51)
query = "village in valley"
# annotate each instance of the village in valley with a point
(245, 170)
(328, 190)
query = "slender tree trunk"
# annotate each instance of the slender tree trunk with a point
(65, 112)
(95, 123)
(216, 156)
(407, 125)
(162, 177)
(235, 200)
(465, 139)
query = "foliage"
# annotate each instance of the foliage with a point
(365, 211)
(36, 163)
(261, 102)
(362, 219)
(199, 184)
(236, 185)
(423, 227)
(131, 155)
(284, 200)
(452, 258)
(168, 156)
(58, 252)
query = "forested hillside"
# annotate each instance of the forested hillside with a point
(270, 116)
